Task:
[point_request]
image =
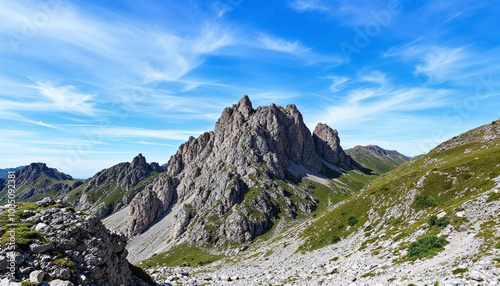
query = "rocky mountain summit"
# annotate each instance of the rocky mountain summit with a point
(247, 150)
(36, 181)
(113, 188)
(236, 182)
(57, 245)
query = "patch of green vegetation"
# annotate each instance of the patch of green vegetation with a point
(440, 222)
(369, 274)
(426, 246)
(335, 239)
(424, 202)
(335, 258)
(352, 220)
(181, 255)
(447, 186)
(65, 262)
(329, 173)
(23, 236)
(466, 176)
(459, 270)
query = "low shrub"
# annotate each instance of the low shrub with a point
(441, 222)
(447, 186)
(432, 220)
(335, 239)
(424, 202)
(426, 246)
(352, 220)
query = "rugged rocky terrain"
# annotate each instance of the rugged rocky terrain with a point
(36, 181)
(377, 159)
(111, 189)
(257, 167)
(62, 246)
(377, 237)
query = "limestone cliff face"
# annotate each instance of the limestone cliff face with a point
(227, 178)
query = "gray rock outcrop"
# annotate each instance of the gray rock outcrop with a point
(69, 246)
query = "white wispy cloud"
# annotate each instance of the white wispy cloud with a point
(338, 82)
(307, 5)
(280, 45)
(381, 103)
(440, 63)
(66, 98)
(349, 13)
(132, 52)
(295, 48)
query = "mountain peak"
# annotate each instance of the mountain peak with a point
(245, 106)
(139, 160)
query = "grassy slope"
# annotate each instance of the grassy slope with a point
(379, 164)
(454, 175)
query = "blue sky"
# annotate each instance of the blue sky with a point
(87, 84)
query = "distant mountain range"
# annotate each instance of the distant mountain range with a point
(5, 172)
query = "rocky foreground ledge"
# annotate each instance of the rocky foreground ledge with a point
(60, 246)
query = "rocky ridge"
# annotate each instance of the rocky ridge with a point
(36, 181)
(113, 188)
(57, 245)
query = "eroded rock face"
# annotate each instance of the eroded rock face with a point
(235, 167)
(71, 246)
(150, 204)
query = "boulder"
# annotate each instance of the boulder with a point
(37, 276)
